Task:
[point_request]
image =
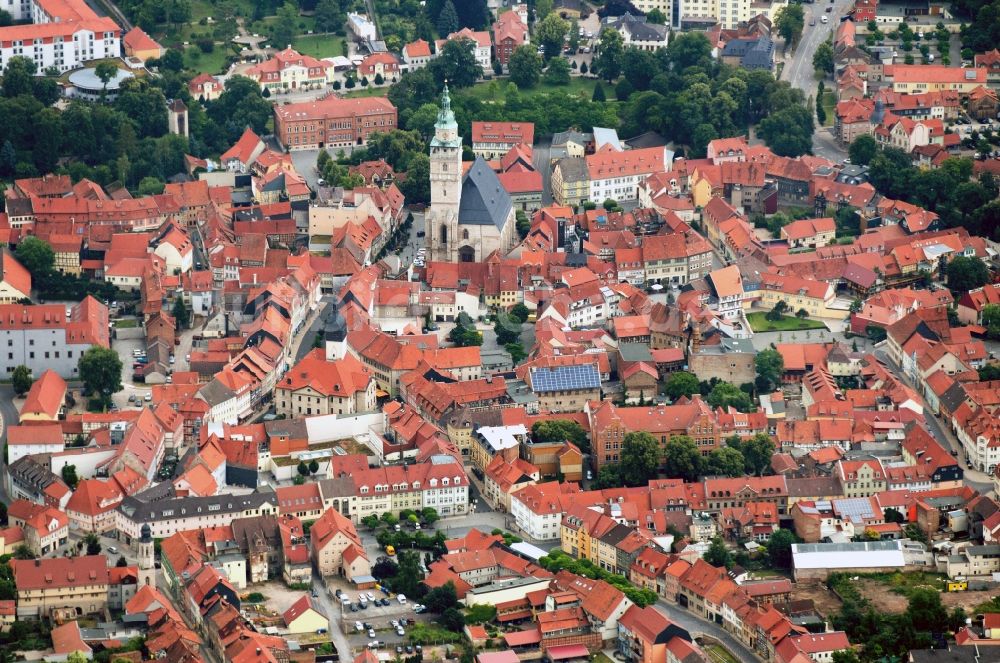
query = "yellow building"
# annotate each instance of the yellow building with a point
(813, 296)
(920, 78)
(571, 181)
(304, 617)
(77, 586)
(141, 46)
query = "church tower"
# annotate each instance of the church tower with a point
(441, 223)
(146, 561)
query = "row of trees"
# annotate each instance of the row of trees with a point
(642, 458)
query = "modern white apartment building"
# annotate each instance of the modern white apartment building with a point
(63, 34)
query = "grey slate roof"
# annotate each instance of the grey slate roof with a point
(484, 201)
(182, 507)
(574, 169)
(215, 392)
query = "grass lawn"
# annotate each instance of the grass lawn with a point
(209, 63)
(319, 46)
(370, 91)
(601, 657)
(126, 323)
(905, 583)
(829, 105)
(759, 323)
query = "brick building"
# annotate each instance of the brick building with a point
(332, 122)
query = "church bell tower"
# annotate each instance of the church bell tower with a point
(441, 223)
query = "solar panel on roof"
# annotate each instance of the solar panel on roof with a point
(564, 378)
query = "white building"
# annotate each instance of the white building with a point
(617, 175)
(537, 512)
(63, 34)
(362, 28)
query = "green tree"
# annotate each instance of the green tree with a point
(726, 462)
(151, 186)
(429, 515)
(313, 467)
(846, 656)
(407, 580)
(105, 71)
(656, 17)
(682, 459)
(93, 544)
(926, 611)
(560, 430)
(370, 521)
(36, 256)
(447, 21)
(757, 452)
(726, 395)
(525, 67)
(967, 273)
(777, 311)
(823, 59)
(417, 185)
(894, 516)
(639, 458)
(520, 312)
(100, 370)
(23, 552)
(598, 95)
(610, 55)
(181, 314)
(991, 320)
(680, 383)
(18, 76)
(390, 519)
(284, 28)
(789, 23)
(551, 34)
(330, 17)
(302, 469)
(557, 72)
(21, 380)
(863, 150)
(452, 620)
(779, 548)
(788, 132)
(542, 9)
(516, 351)
(456, 63)
(718, 554)
(770, 367)
(441, 598)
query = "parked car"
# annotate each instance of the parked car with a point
(401, 598)
(371, 633)
(400, 632)
(358, 627)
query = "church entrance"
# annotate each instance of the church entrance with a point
(466, 254)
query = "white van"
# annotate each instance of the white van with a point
(824, 19)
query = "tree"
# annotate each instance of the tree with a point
(302, 469)
(329, 16)
(551, 34)
(560, 430)
(777, 311)
(429, 515)
(770, 367)
(284, 28)
(464, 333)
(18, 76)
(525, 67)
(611, 52)
(682, 459)
(390, 519)
(823, 59)
(789, 23)
(846, 656)
(100, 369)
(967, 273)
(557, 72)
(598, 91)
(925, 610)
(313, 467)
(36, 256)
(452, 620)
(863, 150)
(407, 580)
(656, 17)
(542, 9)
(385, 568)
(639, 458)
(788, 132)
(520, 312)
(370, 521)
(894, 516)
(105, 71)
(93, 544)
(417, 186)
(122, 562)
(779, 548)
(757, 452)
(726, 395)
(447, 22)
(457, 64)
(441, 598)
(23, 552)
(681, 383)
(151, 186)
(718, 554)
(180, 313)
(20, 379)
(726, 462)
(991, 320)
(956, 619)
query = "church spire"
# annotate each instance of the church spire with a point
(446, 118)
(446, 128)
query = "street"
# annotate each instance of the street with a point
(698, 627)
(799, 72)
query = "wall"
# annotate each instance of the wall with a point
(735, 367)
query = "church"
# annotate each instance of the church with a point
(471, 216)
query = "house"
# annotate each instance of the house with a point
(45, 399)
(141, 46)
(809, 233)
(15, 280)
(379, 64)
(637, 33)
(617, 175)
(983, 104)
(482, 45)
(336, 548)
(990, 61)
(316, 386)
(416, 55)
(243, 154)
(61, 586)
(290, 70)
(971, 304)
(571, 181)
(205, 86)
(916, 78)
(304, 616)
(492, 140)
(43, 336)
(509, 32)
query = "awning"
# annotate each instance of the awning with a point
(522, 638)
(564, 652)
(381, 394)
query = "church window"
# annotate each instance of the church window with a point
(444, 234)
(465, 233)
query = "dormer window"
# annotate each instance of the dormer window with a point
(364, 489)
(433, 483)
